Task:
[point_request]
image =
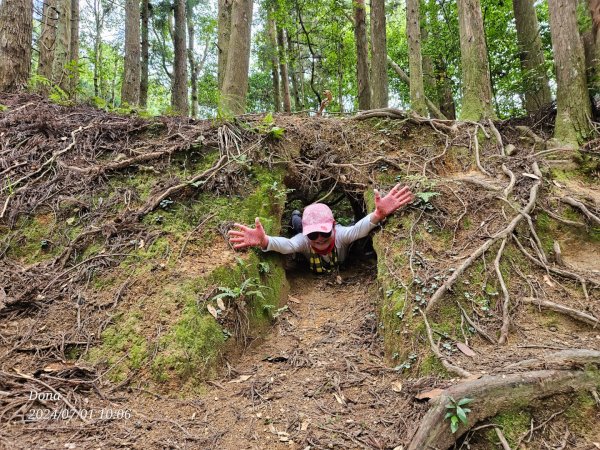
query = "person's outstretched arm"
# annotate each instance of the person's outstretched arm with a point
(395, 199)
(245, 237)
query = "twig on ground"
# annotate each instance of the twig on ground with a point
(505, 305)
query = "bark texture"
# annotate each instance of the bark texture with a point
(224, 31)
(283, 70)
(415, 61)
(16, 25)
(379, 76)
(573, 108)
(362, 55)
(61, 74)
(235, 82)
(145, 54)
(47, 41)
(492, 395)
(274, 65)
(293, 73)
(179, 96)
(477, 88)
(74, 49)
(130, 89)
(535, 80)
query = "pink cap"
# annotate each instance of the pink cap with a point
(317, 217)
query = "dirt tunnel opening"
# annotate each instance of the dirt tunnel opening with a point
(348, 207)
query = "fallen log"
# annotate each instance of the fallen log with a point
(565, 359)
(572, 313)
(493, 394)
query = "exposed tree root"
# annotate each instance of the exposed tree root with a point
(577, 204)
(493, 394)
(447, 285)
(435, 349)
(572, 313)
(565, 359)
(505, 319)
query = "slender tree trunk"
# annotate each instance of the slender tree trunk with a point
(415, 69)
(16, 25)
(283, 69)
(62, 51)
(224, 32)
(274, 64)
(379, 75)
(593, 59)
(477, 89)
(362, 55)
(573, 109)
(536, 85)
(99, 22)
(429, 80)
(47, 41)
(74, 48)
(293, 75)
(235, 82)
(340, 71)
(193, 63)
(145, 55)
(179, 96)
(444, 85)
(130, 89)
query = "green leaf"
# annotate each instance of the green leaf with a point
(426, 196)
(268, 120)
(454, 424)
(276, 132)
(464, 401)
(461, 414)
(448, 415)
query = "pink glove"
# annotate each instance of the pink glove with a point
(248, 237)
(395, 199)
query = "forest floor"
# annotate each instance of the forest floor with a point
(113, 251)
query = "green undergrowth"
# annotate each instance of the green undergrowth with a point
(38, 239)
(166, 334)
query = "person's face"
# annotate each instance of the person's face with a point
(321, 241)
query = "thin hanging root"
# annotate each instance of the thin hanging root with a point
(582, 208)
(508, 190)
(572, 313)
(481, 250)
(480, 330)
(477, 159)
(498, 136)
(505, 319)
(435, 349)
(561, 272)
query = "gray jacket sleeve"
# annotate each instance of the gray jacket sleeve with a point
(362, 228)
(297, 244)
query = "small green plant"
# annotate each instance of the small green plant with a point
(457, 413)
(250, 287)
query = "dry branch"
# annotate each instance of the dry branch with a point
(565, 359)
(493, 394)
(506, 303)
(572, 313)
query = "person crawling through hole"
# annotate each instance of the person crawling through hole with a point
(323, 243)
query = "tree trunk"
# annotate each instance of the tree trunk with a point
(362, 63)
(573, 109)
(193, 64)
(179, 96)
(379, 76)
(235, 82)
(99, 22)
(16, 26)
(444, 85)
(274, 64)
(413, 31)
(477, 89)
(293, 75)
(283, 69)
(593, 62)
(47, 41)
(224, 32)
(145, 55)
(535, 81)
(60, 68)
(429, 80)
(74, 48)
(130, 89)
